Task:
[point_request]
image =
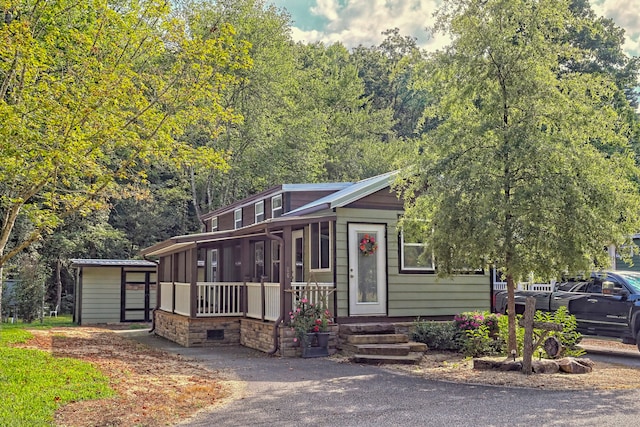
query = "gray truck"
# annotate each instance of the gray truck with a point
(607, 304)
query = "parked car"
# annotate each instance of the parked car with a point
(607, 304)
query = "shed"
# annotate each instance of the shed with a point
(114, 290)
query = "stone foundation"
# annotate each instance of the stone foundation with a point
(201, 332)
(291, 348)
(217, 331)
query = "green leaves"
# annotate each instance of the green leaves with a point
(92, 93)
(529, 167)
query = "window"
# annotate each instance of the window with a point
(214, 223)
(258, 260)
(276, 206)
(415, 254)
(213, 263)
(320, 246)
(237, 218)
(259, 208)
(275, 261)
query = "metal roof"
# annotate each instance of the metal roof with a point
(348, 194)
(80, 262)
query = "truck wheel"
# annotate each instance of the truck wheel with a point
(638, 340)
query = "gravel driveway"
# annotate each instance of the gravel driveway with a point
(323, 392)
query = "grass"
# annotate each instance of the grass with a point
(34, 383)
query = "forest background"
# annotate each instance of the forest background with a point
(209, 102)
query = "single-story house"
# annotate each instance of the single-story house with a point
(114, 290)
(338, 242)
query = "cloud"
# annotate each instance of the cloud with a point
(361, 22)
(625, 14)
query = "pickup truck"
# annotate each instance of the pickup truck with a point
(607, 304)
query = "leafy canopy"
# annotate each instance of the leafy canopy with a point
(530, 166)
(91, 93)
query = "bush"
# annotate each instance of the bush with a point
(438, 335)
(480, 332)
(568, 336)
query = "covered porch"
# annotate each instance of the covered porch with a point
(252, 278)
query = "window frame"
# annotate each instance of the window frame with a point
(275, 209)
(237, 222)
(214, 223)
(410, 269)
(261, 214)
(319, 247)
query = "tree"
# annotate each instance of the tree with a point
(91, 93)
(529, 168)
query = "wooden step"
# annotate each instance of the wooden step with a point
(411, 358)
(382, 349)
(367, 328)
(376, 339)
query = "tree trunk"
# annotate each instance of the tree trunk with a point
(512, 344)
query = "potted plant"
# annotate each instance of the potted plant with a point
(310, 322)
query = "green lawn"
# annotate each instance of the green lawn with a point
(34, 383)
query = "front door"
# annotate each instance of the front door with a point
(367, 270)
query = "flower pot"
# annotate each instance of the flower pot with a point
(315, 344)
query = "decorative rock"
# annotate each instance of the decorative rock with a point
(574, 366)
(486, 364)
(545, 366)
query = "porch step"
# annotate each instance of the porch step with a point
(411, 358)
(367, 328)
(376, 339)
(379, 343)
(383, 349)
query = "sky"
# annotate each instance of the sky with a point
(361, 22)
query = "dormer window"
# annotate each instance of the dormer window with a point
(276, 206)
(237, 218)
(259, 208)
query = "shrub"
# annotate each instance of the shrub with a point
(479, 332)
(438, 335)
(568, 336)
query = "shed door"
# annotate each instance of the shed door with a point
(138, 290)
(367, 270)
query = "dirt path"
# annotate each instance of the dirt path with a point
(156, 388)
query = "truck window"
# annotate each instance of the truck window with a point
(595, 287)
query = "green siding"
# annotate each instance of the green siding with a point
(409, 295)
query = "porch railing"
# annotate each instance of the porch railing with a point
(315, 292)
(218, 299)
(183, 298)
(267, 308)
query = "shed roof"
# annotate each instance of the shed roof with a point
(83, 262)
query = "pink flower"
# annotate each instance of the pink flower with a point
(295, 340)
(304, 300)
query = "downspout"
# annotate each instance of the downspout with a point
(153, 312)
(282, 294)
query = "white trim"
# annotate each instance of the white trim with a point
(330, 252)
(214, 224)
(236, 220)
(403, 267)
(279, 208)
(255, 209)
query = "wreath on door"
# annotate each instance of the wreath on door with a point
(368, 245)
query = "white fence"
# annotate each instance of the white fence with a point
(219, 299)
(183, 298)
(523, 286)
(316, 293)
(166, 296)
(269, 309)
(216, 299)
